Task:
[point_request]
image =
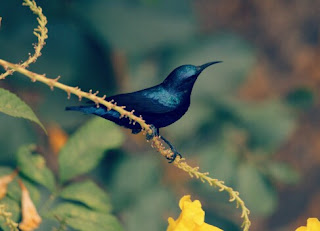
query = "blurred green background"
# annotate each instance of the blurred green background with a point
(253, 121)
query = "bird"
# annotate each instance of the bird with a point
(159, 106)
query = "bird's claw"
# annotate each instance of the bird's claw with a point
(155, 132)
(173, 156)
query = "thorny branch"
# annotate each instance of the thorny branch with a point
(41, 32)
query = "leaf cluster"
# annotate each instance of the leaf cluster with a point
(82, 205)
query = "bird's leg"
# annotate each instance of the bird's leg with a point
(175, 152)
(155, 132)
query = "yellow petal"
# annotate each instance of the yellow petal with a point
(313, 224)
(184, 199)
(193, 212)
(172, 224)
(191, 217)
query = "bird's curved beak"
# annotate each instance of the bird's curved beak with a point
(204, 66)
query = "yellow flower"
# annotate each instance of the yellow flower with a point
(313, 224)
(191, 217)
(4, 181)
(30, 217)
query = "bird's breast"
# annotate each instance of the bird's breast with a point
(165, 98)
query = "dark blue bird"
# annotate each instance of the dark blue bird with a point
(159, 106)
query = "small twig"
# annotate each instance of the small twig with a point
(53, 83)
(41, 32)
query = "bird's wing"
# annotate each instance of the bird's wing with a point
(140, 103)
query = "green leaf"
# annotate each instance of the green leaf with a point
(12, 105)
(87, 146)
(138, 193)
(18, 132)
(82, 218)
(14, 191)
(12, 207)
(283, 173)
(88, 193)
(256, 192)
(4, 170)
(33, 166)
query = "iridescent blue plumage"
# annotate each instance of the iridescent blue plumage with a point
(159, 106)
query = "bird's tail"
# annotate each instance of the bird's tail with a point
(88, 109)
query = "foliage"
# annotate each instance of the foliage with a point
(83, 192)
(33, 166)
(11, 104)
(86, 148)
(93, 200)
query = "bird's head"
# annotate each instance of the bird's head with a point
(184, 77)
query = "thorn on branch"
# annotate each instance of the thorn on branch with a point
(57, 79)
(141, 119)
(53, 81)
(68, 93)
(33, 79)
